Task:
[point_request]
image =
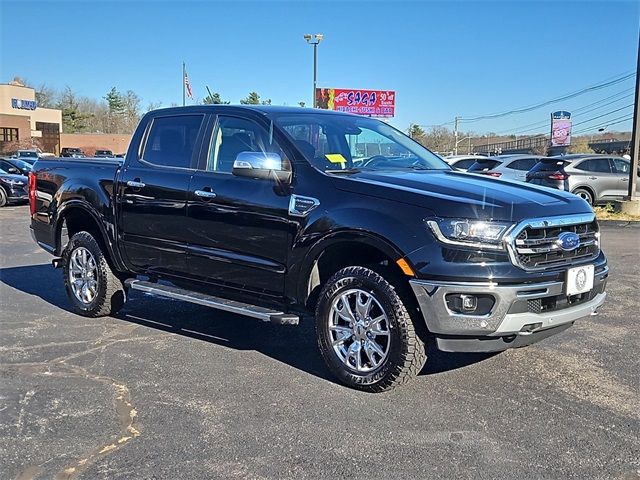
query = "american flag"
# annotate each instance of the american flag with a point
(187, 85)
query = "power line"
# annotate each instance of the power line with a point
(613, 121)
(537, 125)
(603, 115)
(529, 108)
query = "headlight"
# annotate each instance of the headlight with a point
(469, 233)
(15, 182)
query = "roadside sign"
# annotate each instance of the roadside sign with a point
(373, 103)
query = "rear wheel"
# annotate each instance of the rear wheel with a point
(92, 287)
(584, 194)
(365, 333)
(3, 197)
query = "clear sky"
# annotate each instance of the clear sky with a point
(444, 59)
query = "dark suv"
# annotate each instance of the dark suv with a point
(71, 152)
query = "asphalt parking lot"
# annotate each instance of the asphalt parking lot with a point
(171, 390)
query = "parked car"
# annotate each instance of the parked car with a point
(71, 152)
(511, 167)
(549, 172)
(462, 162)
(103, 154)
(485, 165)
(15, 166)
(13, 188)
(29, 156)
(598, 178)
(247, 209)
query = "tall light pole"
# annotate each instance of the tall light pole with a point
(635, 138)
(314, 40)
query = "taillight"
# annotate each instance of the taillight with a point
(493, 174)
(32, 192)
(558, 176)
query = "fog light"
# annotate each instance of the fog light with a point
(469, 303)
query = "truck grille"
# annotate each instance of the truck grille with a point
(537, 247)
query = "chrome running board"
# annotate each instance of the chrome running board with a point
(254, 311)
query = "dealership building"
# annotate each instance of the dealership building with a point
(21, 120)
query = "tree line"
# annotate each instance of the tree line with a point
(116, 112)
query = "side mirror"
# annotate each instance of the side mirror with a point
(263, 165)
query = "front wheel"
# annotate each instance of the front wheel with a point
(92, 287)
(3, 198)
(365, 333)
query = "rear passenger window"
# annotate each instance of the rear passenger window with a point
(171, 140)
(600, 165)
(524, 164)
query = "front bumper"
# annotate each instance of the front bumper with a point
(526, 312)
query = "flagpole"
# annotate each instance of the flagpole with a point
(184, 72)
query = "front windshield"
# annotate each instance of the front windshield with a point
(336, 143)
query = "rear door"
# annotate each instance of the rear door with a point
(153, 194)
(238, 226)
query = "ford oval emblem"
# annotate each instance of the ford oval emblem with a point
(568, 241)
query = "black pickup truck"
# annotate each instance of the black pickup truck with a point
(286, 213)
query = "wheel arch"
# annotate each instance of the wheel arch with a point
(75, 216)
(343, 249)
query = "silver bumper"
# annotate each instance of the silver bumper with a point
(511, 313)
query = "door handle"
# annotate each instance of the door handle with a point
(135, 183)
(624, 179)
(205, 194)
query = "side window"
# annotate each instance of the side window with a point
(171, 140)
(233, 135)
(309, 138)
(621, 166)
(599, 165)
(524, 164)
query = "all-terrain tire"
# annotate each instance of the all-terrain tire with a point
(109, 294)
(406, 354)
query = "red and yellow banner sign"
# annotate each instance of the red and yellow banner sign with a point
(373, 103)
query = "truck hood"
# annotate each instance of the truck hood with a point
(448, 193)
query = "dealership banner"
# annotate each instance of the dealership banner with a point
(374, 103)
(560, 129)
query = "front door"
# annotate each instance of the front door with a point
(153, 195)
(238, 226)
(621, 167)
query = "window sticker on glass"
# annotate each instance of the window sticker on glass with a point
(336, 158)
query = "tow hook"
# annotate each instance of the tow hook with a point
(57, 262)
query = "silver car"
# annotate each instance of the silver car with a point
(598, 178)
(462, 162)
(507, 167)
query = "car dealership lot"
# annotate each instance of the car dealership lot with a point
(175, 390)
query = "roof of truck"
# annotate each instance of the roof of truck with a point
(265, 109)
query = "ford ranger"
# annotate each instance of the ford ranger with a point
(283, 214)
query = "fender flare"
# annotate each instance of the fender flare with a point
(77, 203)
(334, 238)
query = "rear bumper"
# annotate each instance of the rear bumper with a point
(523, 312)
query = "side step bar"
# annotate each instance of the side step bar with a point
(261, 313)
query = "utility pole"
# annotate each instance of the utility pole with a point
(635, 137)
(314, 40)
(455, 135)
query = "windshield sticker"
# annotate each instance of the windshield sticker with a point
(335, 158)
